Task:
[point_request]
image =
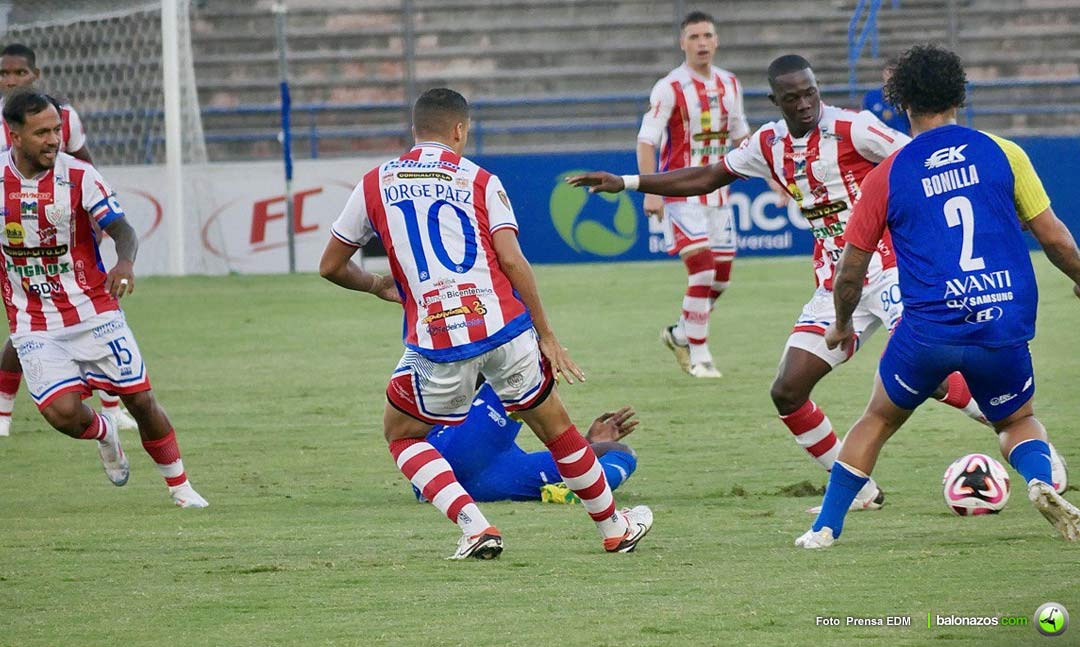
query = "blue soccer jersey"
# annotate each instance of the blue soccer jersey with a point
(953, 200)
(490, 465)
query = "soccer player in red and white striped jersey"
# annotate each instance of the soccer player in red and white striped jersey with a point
(19, 72)
(819, 154)
(471, 307)
(695, 116)
(62, 305)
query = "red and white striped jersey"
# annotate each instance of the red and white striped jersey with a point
(822, 171)
(693, 121)
(435, 213)
(54, 276)
(72, 135)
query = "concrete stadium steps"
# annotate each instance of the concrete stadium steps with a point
(349, 52)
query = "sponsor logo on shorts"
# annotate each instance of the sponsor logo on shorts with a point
(108, 328)
(459, 400)
(29, 347)
(1002, 399)
(496, 417)
(517, 380)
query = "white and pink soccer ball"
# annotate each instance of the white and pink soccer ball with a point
(977, 484)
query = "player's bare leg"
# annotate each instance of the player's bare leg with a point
(10, 378)
(1024, 444)
(68, 415)
(798, 374)
(856, 460)
(582, 473)
(159, 441)
(429, 472)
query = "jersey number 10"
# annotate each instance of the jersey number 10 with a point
(958, 213)
(416, 243)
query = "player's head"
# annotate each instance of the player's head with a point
(18, 68)
(888, 70)
(794, 90)
(33, 118)
(442, 115)
(928, 80)
(697, 39)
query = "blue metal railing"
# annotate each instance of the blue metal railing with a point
(857, 41)
(481, 128)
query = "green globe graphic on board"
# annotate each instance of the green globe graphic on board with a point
(580, 219)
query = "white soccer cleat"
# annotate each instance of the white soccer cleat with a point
(640, 520)
(816, 538)
(122, 419)
(185, 496)
(1061, 514)
(870, 497)
(5, 426)
(1058, 471)
(706, 370)
(112, 455)
(485, 545)
(681, 351)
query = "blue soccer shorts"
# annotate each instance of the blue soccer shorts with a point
(1000, 379)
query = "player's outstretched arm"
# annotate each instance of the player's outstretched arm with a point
(698, 180)
(121, 278)
(337, 267)
(518, 270)
(612, 426)
(1058, 244)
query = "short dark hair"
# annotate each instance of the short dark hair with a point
(28, 102)
(927, 80)
(694, 17)
(18, 49)
(786, 64)
(439, 110)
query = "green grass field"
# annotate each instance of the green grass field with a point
(313, 538)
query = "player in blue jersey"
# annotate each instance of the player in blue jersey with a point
(875, 102)
(954, 200)
(491, 466)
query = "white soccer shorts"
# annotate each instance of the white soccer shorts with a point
(879, 306)
(99, 353)
(687, 224)
(442, 393)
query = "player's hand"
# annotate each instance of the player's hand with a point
(121, 279)
(785, 198)
(560, 361)
(598, 182)
(842, 337)
(612, 426)
(654, 206)
(1076, 290)
(386, 289)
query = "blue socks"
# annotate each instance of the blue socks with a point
(618, 466)
(1032, 459)
(844, 484)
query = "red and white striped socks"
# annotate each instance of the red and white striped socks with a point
(959, 396)
(9, 388)
(581, 472)
(721, 277)
(110, 404)
(814, 433)
(697, 303)
(166, 455)
(96, 430)
(429, 472)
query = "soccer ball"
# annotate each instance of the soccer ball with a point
(976, 484)
(1058, 471)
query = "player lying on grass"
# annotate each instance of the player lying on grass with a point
(471, 307)
(954, 200)
(820, 154)
(491, 466)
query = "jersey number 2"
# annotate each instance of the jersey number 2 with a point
(416, 244)
(958, 213)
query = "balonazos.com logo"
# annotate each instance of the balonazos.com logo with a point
(604, 224)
